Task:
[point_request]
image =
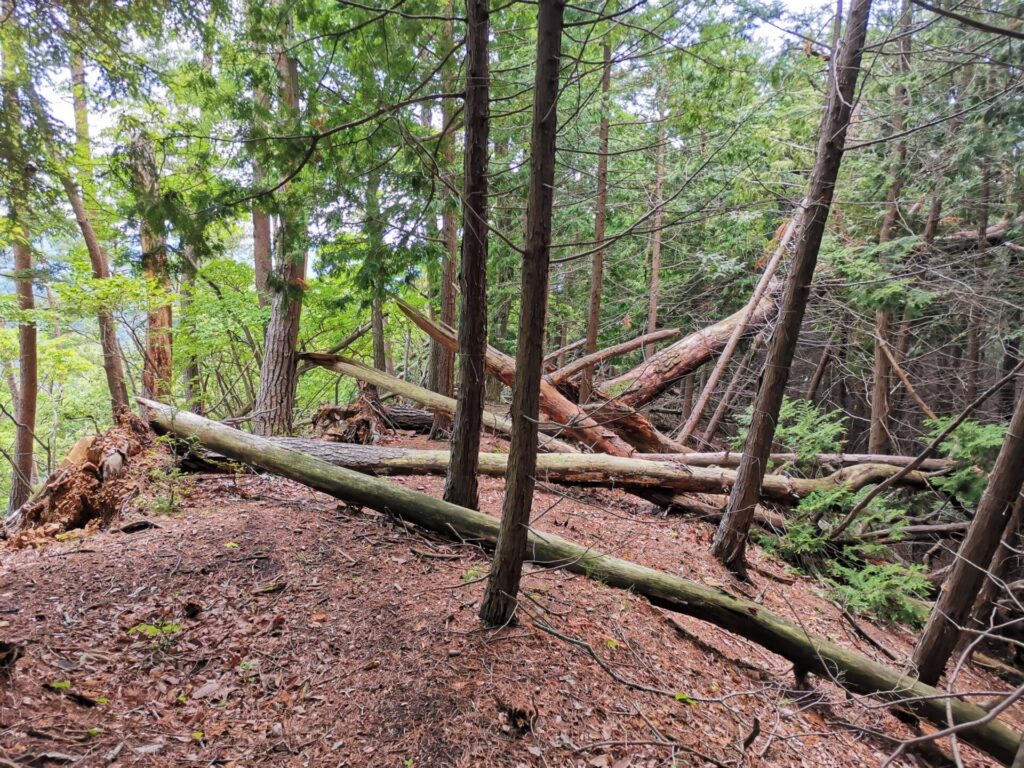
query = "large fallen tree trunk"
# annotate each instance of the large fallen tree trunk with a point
(596, 469)
(742, 617)
(621, 434)
(569, 370)
(423, 396)
(638, 387)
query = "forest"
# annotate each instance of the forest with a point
(419, 383)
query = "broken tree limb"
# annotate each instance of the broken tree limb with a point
(742, 617)
(595, 469)
(731, 459)
(638, 387)
(566, 372)
(617, 429)
(420, 395)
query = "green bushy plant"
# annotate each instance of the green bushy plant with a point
(803, 429)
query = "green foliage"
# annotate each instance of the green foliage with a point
(802, 428)
(852, 571)
(974, 446)
(888, 590)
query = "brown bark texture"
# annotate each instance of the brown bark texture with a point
(501, 596)
(460, 485)
(731, 537)
(953, 607)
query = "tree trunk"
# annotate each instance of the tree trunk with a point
(19, 237)
(193, 391)
(500, 598)
(275, 399)
(578, 423)
(450, 235)
(461, 483)
(731, 536)
(157, 358)
(820, 368)
(707, 603)
(659, 215)
(641, 473)
(970, 568)
(113, 366)
(568, 371)
(1011, 346)
(878, 432)
(600, 218)
(261, 238)
(638, 387)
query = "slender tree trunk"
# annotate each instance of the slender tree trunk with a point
(500, 598)
(157, 362)
(261, 238)
(659, 217)
(878, 432)
(461, 482)
(970, 568)
(17, 208)
(81, 204)
(731, 537)
(1011, 347)
(600, 218)
(275, 399)
(193, 391)
(819, 370)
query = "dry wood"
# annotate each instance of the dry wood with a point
(742, 617)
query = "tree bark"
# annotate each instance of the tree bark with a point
(953, 607)
(461, 484)
(638, 387)
(731, 537)
(275, 399)
(600, 218)
(157, 357)
(707, 603)
(501, 596)
(28, 363)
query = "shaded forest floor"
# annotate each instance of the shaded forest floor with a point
(263, 623)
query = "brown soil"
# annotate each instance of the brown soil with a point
(263, 623)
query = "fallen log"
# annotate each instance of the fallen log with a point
(621, 433)
(596, 469)
(419, 394)
(638, 387)
(731, 459)
(742, 617)
(566, 372)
